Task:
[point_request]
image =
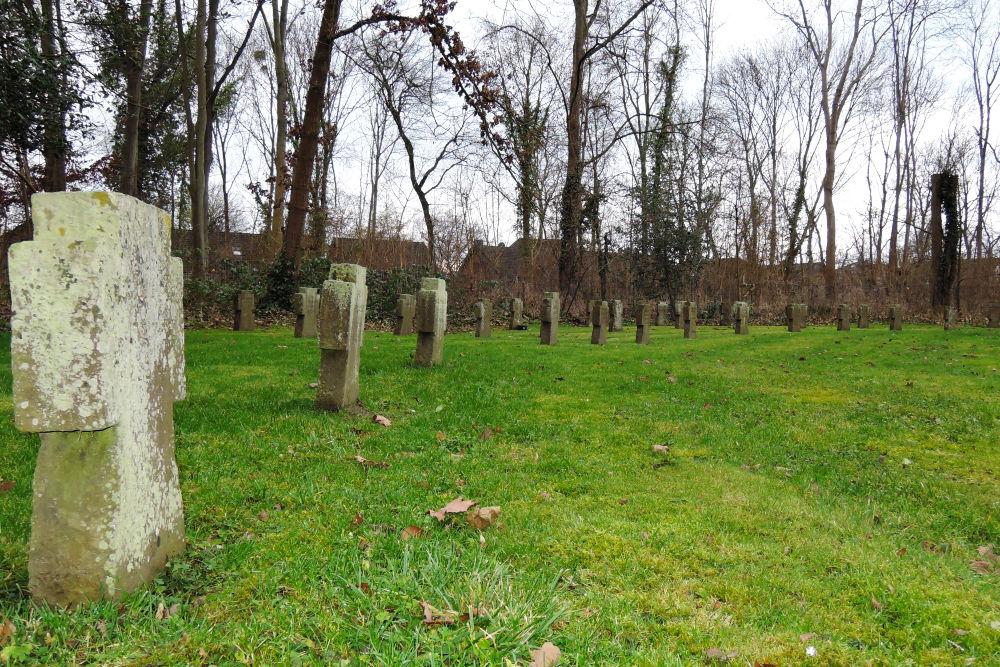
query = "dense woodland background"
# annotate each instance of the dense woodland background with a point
(626, 156)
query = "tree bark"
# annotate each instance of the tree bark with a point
(128, 182)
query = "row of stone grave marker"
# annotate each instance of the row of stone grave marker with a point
(97, 354)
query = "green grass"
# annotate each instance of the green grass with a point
(837, 484)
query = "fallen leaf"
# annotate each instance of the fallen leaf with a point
(434, 617)
(313, 385)
(718, 654)
(7, 630)
(357, 520)
(379, 419)
(901, 552)
(661, 448)
(372, 464)
(282, 347)
(262, 515)
(481, 517)
(806, 636)
(981, 566)
(986, 553)
(440, 436)
(163, 613)
(547, 656)
(623, 501)
(646, 362)
(456, 506)
(202, 653)
(412, 533)
(486, 434)
(671, 379)
(102, 628)
(877, 605)
(366, 588)
(958, 632)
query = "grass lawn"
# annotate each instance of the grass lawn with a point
(824, 492)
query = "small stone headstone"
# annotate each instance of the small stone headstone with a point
(483, 311)
(341, 333)
(617, 316)
(679, 307)
(796, 315)
(643, 318)
(431, 321)
(690, 315)
(550, 318)
(896, 318)
(843, 317)
(727, 313)
(306, 303)
(243, 306)
(599, 319)
(406, 306)
(994, 316)
(97, 354)
(663, 314)
(950, 318)
(864, 316)
(516, 308)
(741, 317)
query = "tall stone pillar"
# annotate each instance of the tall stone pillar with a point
(616, 315)
(643, 317)
(516, 308)
(550, 319)
(243, 306)
(599, 319)
(483, 310)
(690, 314)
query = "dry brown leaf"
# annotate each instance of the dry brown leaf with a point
(7, 630)
(546, 656)
(901, 552)
(163, 613)
(412, 533)
(877, 605)
(313, 385)
(379, 419)
(980, 566)
(456, 506)
(986, 553)
(372, 464)
(262, 515)
(102, 628)
(718, 654)
(806, 636)
(6, 486)
(646, 362)
(486, 434)
(481, 517)
(434, 617)
(440, 436)
(671, 378)
(661, 448)
(958, 632)
(357, 520)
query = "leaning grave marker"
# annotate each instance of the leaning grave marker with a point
(97, 353)
(341, 334)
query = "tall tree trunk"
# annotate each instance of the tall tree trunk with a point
(134, 68)
(279, 14)
(829, 179)
(54, 144)
(572, 195)
(305, 157)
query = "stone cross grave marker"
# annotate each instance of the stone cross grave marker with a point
(690, 315)
(741, 317)
(406, 306)
(896, 318)
(950, 318)
(97, 354)
(306, 302)
(616, 315)
(796, 315)
(599, 318)
(516, 308)
(550, 318)
(341, 334)
(864, 316)
(431, 321)
(243, 305)
(994, 316)
(679, 314)
(483, 310)
(843, 317)
(643, 317)
(662, 314)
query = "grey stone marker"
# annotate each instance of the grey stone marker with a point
(616, 315)
(843, 317)
(599, 318)
(97, 354)
(896, 318)
(516, 308)
(643, 317)
(679, 314)
(406, 307)
(243, 305)
(663, 314)
(864, 316)
(483, 310)
(306, 302)
(341, 333)
(550, 318)
(796, 315)
(994, 316)
(741, 317)
(950, 318)
(690, 319)
(431, 321)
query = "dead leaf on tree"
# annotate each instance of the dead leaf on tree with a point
(412, 533)
(481, 517)
(456, 506)
(379, 419)
(371, 464)
(546, 656)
